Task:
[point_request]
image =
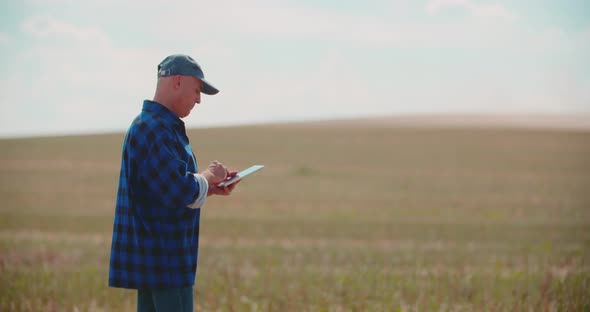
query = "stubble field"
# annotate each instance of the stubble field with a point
(343, 218)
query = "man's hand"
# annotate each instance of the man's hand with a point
(214, 189)
(215, 173)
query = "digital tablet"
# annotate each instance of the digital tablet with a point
(241, 175)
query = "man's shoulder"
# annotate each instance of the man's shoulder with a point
(146, 123)
(146, 129)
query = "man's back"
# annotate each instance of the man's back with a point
(155, 234)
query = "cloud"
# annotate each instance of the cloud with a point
(267, 20)
(280, 21)
(47, 27)
(81, 80)
(5, 39)
(260, 21)
(484, 10)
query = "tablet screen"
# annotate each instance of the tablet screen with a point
(241, 175)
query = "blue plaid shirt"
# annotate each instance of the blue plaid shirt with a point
(155, 236)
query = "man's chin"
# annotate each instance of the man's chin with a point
(190, 111)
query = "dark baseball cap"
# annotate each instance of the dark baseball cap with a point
(184, 65)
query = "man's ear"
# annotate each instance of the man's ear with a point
(176, 81)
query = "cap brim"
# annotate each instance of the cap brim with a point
(208, 88)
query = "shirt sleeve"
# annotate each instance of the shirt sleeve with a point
(165, 173)
(203, 189)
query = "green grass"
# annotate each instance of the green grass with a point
(361, 218)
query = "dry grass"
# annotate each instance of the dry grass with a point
(362, 217)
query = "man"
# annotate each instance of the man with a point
(156, 227)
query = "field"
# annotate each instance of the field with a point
(343, 218)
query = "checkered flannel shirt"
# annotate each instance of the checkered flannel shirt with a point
(155, 234)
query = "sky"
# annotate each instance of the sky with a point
(71, 66)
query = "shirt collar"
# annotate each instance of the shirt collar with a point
(164, 113)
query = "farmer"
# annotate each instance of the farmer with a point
(156, 228)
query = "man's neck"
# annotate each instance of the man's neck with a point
(164, 102)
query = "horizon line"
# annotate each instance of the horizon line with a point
(493, 120)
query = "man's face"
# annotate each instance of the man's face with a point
(189, 94)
